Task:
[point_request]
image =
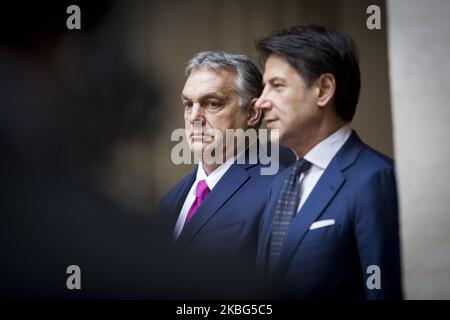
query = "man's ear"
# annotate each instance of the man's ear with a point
(326, 85)
(254, 114)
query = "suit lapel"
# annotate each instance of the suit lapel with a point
(324, 191)
(180, 198)
(231, 181)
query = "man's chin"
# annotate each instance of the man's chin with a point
(275, 136)
(198, 148)
(207, 153)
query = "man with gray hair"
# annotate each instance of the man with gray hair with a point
(215, 211)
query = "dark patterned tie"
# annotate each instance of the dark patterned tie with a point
(285, 211)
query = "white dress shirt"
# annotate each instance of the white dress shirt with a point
(320, 157)
(211, 181)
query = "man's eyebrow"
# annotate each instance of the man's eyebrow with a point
(276, 79)
(273, 79)
(208, 95)
(212, 95)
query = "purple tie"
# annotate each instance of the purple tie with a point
(200, 195)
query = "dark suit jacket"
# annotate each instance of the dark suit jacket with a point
(358, 192)
(226, 224)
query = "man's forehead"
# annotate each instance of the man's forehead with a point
(209, 82)
(211, 75)
(278, 67)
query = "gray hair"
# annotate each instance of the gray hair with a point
(248, 77)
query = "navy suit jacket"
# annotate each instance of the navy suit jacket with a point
(226, 223)
(357, 190)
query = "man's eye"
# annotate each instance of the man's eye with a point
(187, 105)
(278, 85)
(213, 104)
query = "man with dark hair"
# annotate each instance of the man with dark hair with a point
(215, 211)
(330, 228)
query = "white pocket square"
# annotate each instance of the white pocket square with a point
(321, 224)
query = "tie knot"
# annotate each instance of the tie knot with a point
(202, 190)
(300, 166)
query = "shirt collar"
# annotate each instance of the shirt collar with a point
(213, 178)
(323, 152)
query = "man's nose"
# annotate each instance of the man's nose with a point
(263, 103)
(197, 114)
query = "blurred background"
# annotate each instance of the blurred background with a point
(86, 116)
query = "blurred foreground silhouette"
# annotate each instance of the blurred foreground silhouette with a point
(67, 99)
